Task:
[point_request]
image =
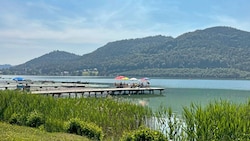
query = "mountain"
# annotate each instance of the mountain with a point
(50, 63)
(216, 52)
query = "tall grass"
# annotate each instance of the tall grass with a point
(114, 116)
(218, 121)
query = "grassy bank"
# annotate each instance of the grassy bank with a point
(10, 132)
(220, 120)
(113, 116)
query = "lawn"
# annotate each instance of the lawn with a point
(10, 132)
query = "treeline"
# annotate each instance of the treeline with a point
(222, 73)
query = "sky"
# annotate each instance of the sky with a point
(32, 28)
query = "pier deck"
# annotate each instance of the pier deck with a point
(100, 91)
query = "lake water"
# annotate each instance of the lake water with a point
(178, 92)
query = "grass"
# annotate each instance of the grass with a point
(218, 121)
(10, 132)
(114, 116)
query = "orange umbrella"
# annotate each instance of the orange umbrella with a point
(121, 77)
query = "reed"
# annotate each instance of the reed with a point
(114, 116)
(170, 124)
(220, 120)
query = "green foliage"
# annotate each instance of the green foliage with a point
(92, 131)
(170, 124)
(17, 119)
(93, 116)
(143, 134)
(191, 73)
(218, 121)
(74, 126)
(218, 52)
(82, 128)
(53, 125)
(114, 116)
(35, 119)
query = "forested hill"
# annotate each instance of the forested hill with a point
(217, 52)
(50, 63)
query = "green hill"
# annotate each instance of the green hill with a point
(216, 52)
(51, 64)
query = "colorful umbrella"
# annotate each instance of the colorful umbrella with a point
(125, 78)
(133, 79)
(145, 79)
(121, 77)
(18, 79)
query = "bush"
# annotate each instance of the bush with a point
(114, 116)
(92, 131)
(82, 128)
(35, 119)
(73, 126)
(17, 119)
(143, 134)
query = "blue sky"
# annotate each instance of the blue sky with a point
(31, 28)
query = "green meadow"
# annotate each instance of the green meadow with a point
(10, 132)
(118, 119)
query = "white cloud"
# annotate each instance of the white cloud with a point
(45, 26)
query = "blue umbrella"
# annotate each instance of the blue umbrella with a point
(18, 79)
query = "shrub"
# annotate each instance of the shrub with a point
(73, 126)
(17, 119)
(92, 131)
(114, 116)
(143, 134)
(35, 119)
(82, 128)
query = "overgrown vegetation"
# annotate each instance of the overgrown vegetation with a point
(114, 119)
(114, 116)
(82, 128)
(218, 121)
(143, 134)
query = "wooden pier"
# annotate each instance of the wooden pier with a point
(77, 89)
(99, 91)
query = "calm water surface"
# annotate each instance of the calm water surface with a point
(178, 92)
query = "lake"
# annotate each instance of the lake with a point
(178, 92)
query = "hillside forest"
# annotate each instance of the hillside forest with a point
(216, 52)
